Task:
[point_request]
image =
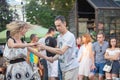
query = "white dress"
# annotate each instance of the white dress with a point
(85, 63)
(19, 70)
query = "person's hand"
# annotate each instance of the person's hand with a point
(93, 67)
(50, 59)
(79, 60)
(116, 57)
(2, 69)
(42, 46)
(41, 66)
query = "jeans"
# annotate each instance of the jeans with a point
(59, 71)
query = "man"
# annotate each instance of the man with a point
(66, 51)
(43, 61)
(100, 26)
(52, 67)
(33, 59)
(99, 49)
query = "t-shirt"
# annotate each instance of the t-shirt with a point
(34, 58)
(42, 40)
(67, 60)
(50, 41)
(100, 51)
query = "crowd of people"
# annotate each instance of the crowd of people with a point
(61, 58)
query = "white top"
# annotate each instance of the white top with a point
(21, 68)
(67, 60)
(113, 52)
(14, 53)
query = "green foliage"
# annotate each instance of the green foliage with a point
(39, 14)
(43, 12)
(63, 7)
(5, 14)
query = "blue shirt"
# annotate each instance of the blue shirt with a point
(100, 51)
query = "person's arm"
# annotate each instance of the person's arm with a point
(91, 52)
(12, 44)
(68, 42)
(110, 57)
(117, 56)
(80, 58)
(92, 56)
(55, 50)
(39, 54)
(107, 56)
(28, 57)
(80, 54)
(55, 57)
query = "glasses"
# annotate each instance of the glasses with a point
(100, 48)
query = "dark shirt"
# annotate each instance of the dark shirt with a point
(50, 41)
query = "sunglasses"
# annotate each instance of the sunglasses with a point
(100, 48)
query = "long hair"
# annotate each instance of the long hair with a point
(88, 37)
(15, 26)
(110, 42)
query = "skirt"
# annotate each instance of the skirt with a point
(19, 71)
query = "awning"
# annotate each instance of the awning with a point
(40, 31)
(103, 4)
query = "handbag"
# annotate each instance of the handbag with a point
(108, 67)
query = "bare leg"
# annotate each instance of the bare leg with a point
(52, 78)
(80, 77)
(101, 77)
(108, 76)
(114, 76)
(92, 77)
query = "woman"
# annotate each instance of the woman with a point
(16, 52)
(113, 55)
(86, 57)
(78, 45)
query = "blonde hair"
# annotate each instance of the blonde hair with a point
(15, 26)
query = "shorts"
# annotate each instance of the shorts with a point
(99, 69)
(115, 67)
(71, 74)
(52, 69)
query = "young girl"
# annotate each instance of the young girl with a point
(86, 57)
(113, 55)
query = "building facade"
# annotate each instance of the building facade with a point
(88, 13)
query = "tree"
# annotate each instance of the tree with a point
(5, 14)
(43, 12)
(62, 7)
(39, 14)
